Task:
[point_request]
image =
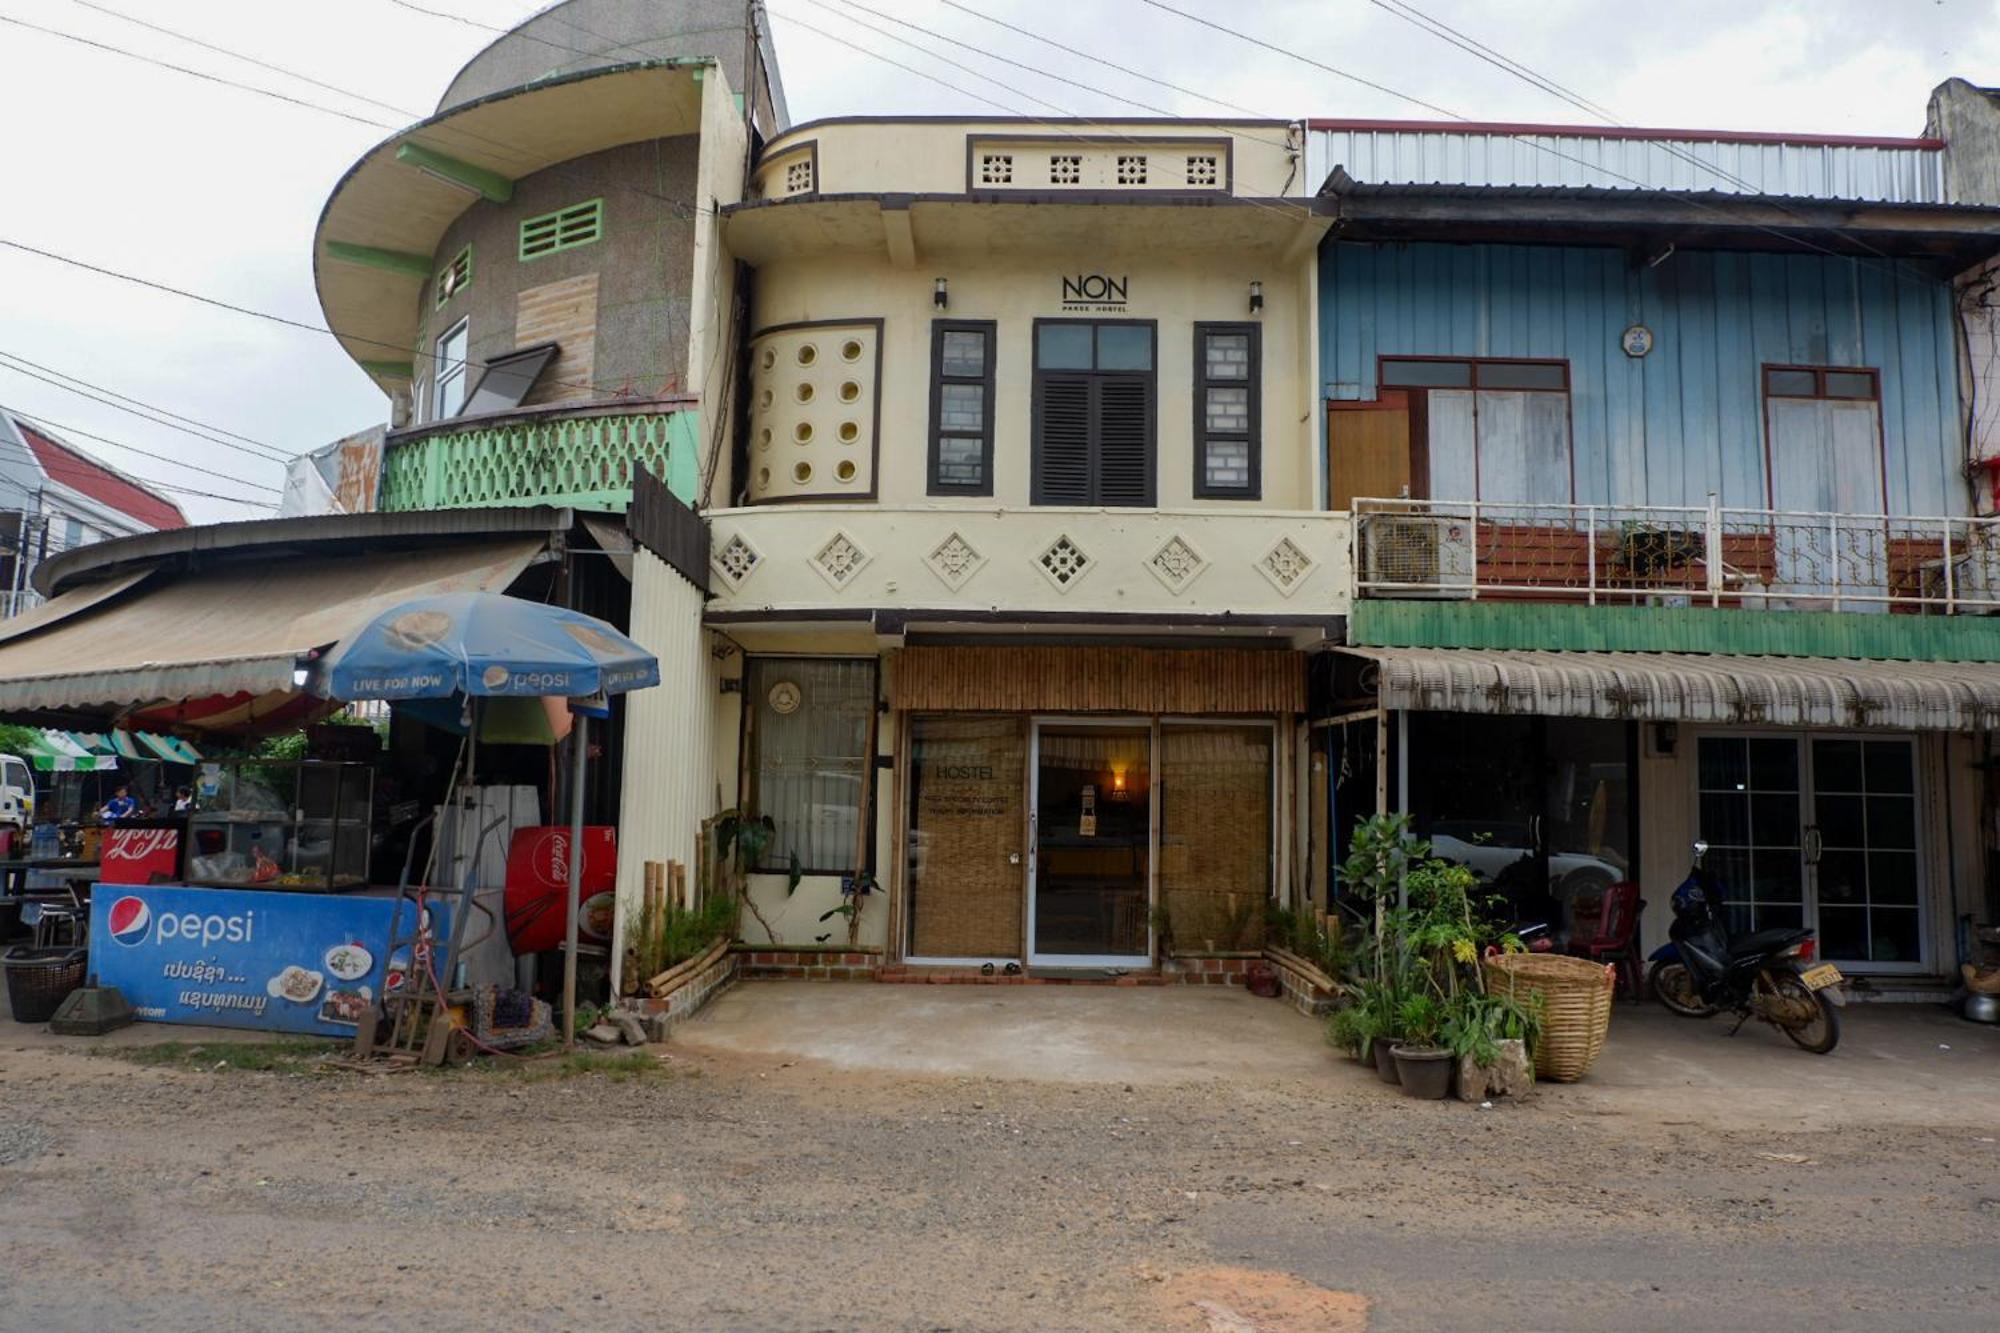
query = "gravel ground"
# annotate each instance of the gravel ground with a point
(735, 1192)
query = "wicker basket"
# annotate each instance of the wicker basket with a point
(1576, 1006)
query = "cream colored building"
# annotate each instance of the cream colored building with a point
(1013, 563)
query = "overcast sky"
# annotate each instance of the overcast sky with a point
(214, 190)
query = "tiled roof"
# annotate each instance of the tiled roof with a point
(85, 475)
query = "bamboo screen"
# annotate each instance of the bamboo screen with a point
(1215, 834)
(1023, 678)
(967, 784)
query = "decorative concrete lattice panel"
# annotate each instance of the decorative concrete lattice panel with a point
(735, 560)
(1177, 564)
(839, 559)
(1286, 566)
(954, 560)
(1063, 562)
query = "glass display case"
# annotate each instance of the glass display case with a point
(280, 824)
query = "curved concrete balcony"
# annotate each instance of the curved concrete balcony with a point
(1252, 569)
(579, 455)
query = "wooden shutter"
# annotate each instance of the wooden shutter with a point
(1124, 440)
(1062, 440)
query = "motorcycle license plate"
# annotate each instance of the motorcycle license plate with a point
(1819, 978)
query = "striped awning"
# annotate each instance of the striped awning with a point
(1692, 687)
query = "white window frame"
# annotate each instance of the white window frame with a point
(445, 374)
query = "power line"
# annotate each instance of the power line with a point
(59, 428)
(195, 73)
(1068, 132)
(110, 398)
(1690, 197)
(1500, 60)
(60, 470)
(1108, 64)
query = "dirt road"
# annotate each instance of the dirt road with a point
(744, 1191)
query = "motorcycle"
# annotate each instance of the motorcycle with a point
(1768, 975)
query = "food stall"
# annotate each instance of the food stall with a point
(253, 908)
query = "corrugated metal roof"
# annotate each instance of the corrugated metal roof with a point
(236, 629)
(1693, 687)
(1891, 173)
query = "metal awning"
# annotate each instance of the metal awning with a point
(1692, 687)
(230, 629)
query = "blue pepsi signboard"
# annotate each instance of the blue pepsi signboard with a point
(286, 962)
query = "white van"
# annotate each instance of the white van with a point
(17, 794)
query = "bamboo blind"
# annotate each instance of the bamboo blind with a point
(1215, 834)
(966, 820)
(1028, 679)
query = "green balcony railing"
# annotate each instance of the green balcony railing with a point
(582, 456)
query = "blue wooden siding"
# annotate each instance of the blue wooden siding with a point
(1669, 428)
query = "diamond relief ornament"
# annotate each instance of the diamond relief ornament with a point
(1177, 564)
(954, 560)
(1063, 562)
(1286, 566)
(735, 560)
(840, 559)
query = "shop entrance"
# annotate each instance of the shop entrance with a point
(1540, 808)
(1091, 839)
(1819, 831)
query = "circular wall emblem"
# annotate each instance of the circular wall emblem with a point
(1637, 340)
(785, 697)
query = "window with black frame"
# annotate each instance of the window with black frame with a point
(961, 446)
(1094, 412)
(805, 757)
(1228, 411)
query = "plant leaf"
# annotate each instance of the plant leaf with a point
(795, 873)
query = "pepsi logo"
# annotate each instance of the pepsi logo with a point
(129, 919)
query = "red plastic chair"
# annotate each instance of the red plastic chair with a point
(1616, 938)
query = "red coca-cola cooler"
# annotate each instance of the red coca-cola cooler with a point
(141, 853)
(538, 882)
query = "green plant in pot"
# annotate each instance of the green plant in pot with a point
(1423, 1062)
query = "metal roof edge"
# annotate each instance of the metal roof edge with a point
(1805, 140)
(221, 540)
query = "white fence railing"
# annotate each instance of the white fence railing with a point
(1676, 556)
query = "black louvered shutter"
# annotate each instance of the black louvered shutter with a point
(1062, 441)
(1124, 440)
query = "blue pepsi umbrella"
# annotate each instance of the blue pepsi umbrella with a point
(487, 645)
(483, 643)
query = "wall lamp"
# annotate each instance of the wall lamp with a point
(302, 671)
(1256, 298)
(939, 297)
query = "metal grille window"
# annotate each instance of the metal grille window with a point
(806, 740)
(1094, 412)
(454, 277)
(1066, 169)
(565, 229)
(961, 456)
(1227, 411)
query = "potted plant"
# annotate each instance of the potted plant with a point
(1492, 1039)
(1423, 1062)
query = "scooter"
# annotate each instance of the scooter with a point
(1767, 975)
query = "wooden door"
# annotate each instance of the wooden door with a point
(1368, 449)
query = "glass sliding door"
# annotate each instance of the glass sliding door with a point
(1819, 831)
(1866, 876)
(1750, 808)
(1092, 828)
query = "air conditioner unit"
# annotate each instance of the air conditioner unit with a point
(1418, 555)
